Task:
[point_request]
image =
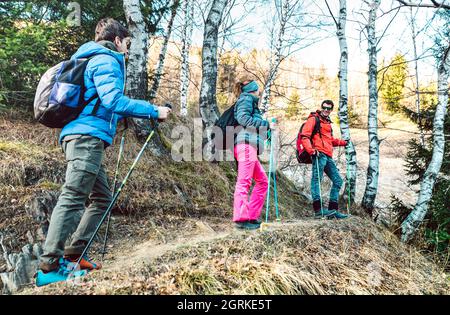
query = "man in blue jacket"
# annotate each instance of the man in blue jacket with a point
(84, 141)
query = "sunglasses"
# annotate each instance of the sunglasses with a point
(327, 108)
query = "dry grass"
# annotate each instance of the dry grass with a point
(304, 257)
(307, 257)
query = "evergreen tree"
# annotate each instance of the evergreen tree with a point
(34, 35)
(391, 80)
(436, 228)
(293, 108)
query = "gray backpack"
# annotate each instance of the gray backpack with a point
(59, 96)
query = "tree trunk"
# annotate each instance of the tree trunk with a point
(350, 185)
(162, 54)
(208, 102)
(274, 65)
(370, 193)
(136, 84)
(188, 12)
(415, 218)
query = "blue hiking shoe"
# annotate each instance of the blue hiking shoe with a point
(247, 225)
(339, 216)
(61, 274)
(324, 214)
(334, 206)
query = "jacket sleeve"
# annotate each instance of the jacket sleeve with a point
(306, 135)
(243, 113)
(108, 80)
(339, 143)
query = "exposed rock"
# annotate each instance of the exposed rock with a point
(40, 208)
(21, 268)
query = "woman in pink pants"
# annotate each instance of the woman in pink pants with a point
(249, 143)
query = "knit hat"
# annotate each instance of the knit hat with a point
(252, 86)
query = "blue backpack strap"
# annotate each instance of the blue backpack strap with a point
(93, 97)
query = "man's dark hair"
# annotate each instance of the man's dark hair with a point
(329, 102)
(108, 29)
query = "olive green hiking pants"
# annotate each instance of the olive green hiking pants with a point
(85, 178)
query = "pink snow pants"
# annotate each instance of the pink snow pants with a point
(249, 168)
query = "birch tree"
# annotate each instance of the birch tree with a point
(136, 85)
(416, 217)
(208, 102)
(350, 151)
(368, 201)
(162, 54)
(188, 22)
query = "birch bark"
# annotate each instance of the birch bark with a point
(208, 102)
(188, 15)
(350, 185)
(368, 201)
(416, 217)
(136, 83)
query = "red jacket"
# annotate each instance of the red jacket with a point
(322, 141)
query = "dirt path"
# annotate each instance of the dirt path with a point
(150, 250)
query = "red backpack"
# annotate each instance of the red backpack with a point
(301, 153)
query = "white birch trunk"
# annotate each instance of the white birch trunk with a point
(350, 151)
(274, 65)
(208, 102)
(370, 193)
(416, 217)
(188, 12)
(162, 54)
(136, 83)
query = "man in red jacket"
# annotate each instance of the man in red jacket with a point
(320, 146)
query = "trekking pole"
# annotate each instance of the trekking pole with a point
(275, 193)
(138, 157)
(271, 162)
(270, 176)
(320, 182)
(347, 159)
(274, 173)
(122, 142)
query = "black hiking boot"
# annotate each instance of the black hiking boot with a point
(320, 213)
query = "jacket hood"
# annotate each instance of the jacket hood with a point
(92, 48)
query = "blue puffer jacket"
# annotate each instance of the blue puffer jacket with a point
(105, 75)
(248, 115)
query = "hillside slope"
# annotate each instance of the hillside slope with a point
(297, 257)
(172, 231)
